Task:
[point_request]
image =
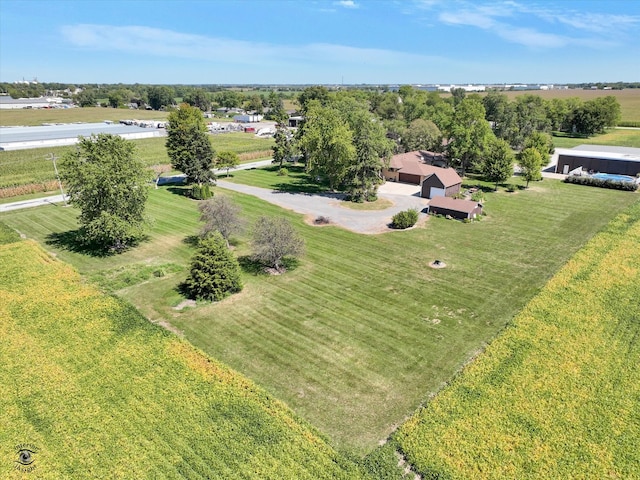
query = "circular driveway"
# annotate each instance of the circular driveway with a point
(332, 206)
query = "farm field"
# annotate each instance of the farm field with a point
(556, 394)
(23, 167)
(32, 117)
(361, 332)
(101, 392)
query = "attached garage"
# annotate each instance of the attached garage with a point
(409, 178)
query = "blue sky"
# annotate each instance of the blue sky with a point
(298, 41)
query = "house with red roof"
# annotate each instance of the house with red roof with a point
(418, 168)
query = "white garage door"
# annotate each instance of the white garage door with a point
(436, 192)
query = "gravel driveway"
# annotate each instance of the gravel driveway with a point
(331, 205)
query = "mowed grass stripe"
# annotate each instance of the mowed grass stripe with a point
(363, 331)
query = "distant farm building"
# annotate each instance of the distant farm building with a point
(599, 158)
(419, 168)
(455, 208)
(247, 118)
(8, 103)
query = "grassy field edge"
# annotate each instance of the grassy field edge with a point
(555, 394)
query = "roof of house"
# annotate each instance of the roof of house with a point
(466, 206)
(414, 163)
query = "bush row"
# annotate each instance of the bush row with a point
(629, 123)
(598, 182)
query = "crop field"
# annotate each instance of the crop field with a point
(556, 394)
(361, 331)
(97, 391)
(31, 117)
(24, 167)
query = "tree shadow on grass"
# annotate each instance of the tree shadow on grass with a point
(183, 191)
(72, 241)
(191, 240)
(184, 290)
(256, 268)
(249, 265)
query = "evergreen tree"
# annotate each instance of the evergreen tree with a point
(215, 272)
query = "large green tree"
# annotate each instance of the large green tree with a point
(469, 133)
(372, 152)
(188, 144)
(160, 96)
(422, 135)
(107, 181)
(215, 272)
(198, 97)
(328, 142)
(497, 162)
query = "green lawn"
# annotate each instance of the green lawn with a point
(32, 117)
(616, 137)
(100, 392)
(362, 331)
(556, 395)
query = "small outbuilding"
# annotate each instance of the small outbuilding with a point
(454, 207)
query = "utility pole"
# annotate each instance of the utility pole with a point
(52, 157)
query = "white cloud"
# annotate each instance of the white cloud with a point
(139, 40)
(347, 4)
(507, 20)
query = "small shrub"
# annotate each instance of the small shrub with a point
(511, 188)
(321, 220)
(201, 192)
(466, 220)
(283, 172)
(459, 196)
(477, 196)
(405, 219)
(371, 197)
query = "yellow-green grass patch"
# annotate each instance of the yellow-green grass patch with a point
(556, 394)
